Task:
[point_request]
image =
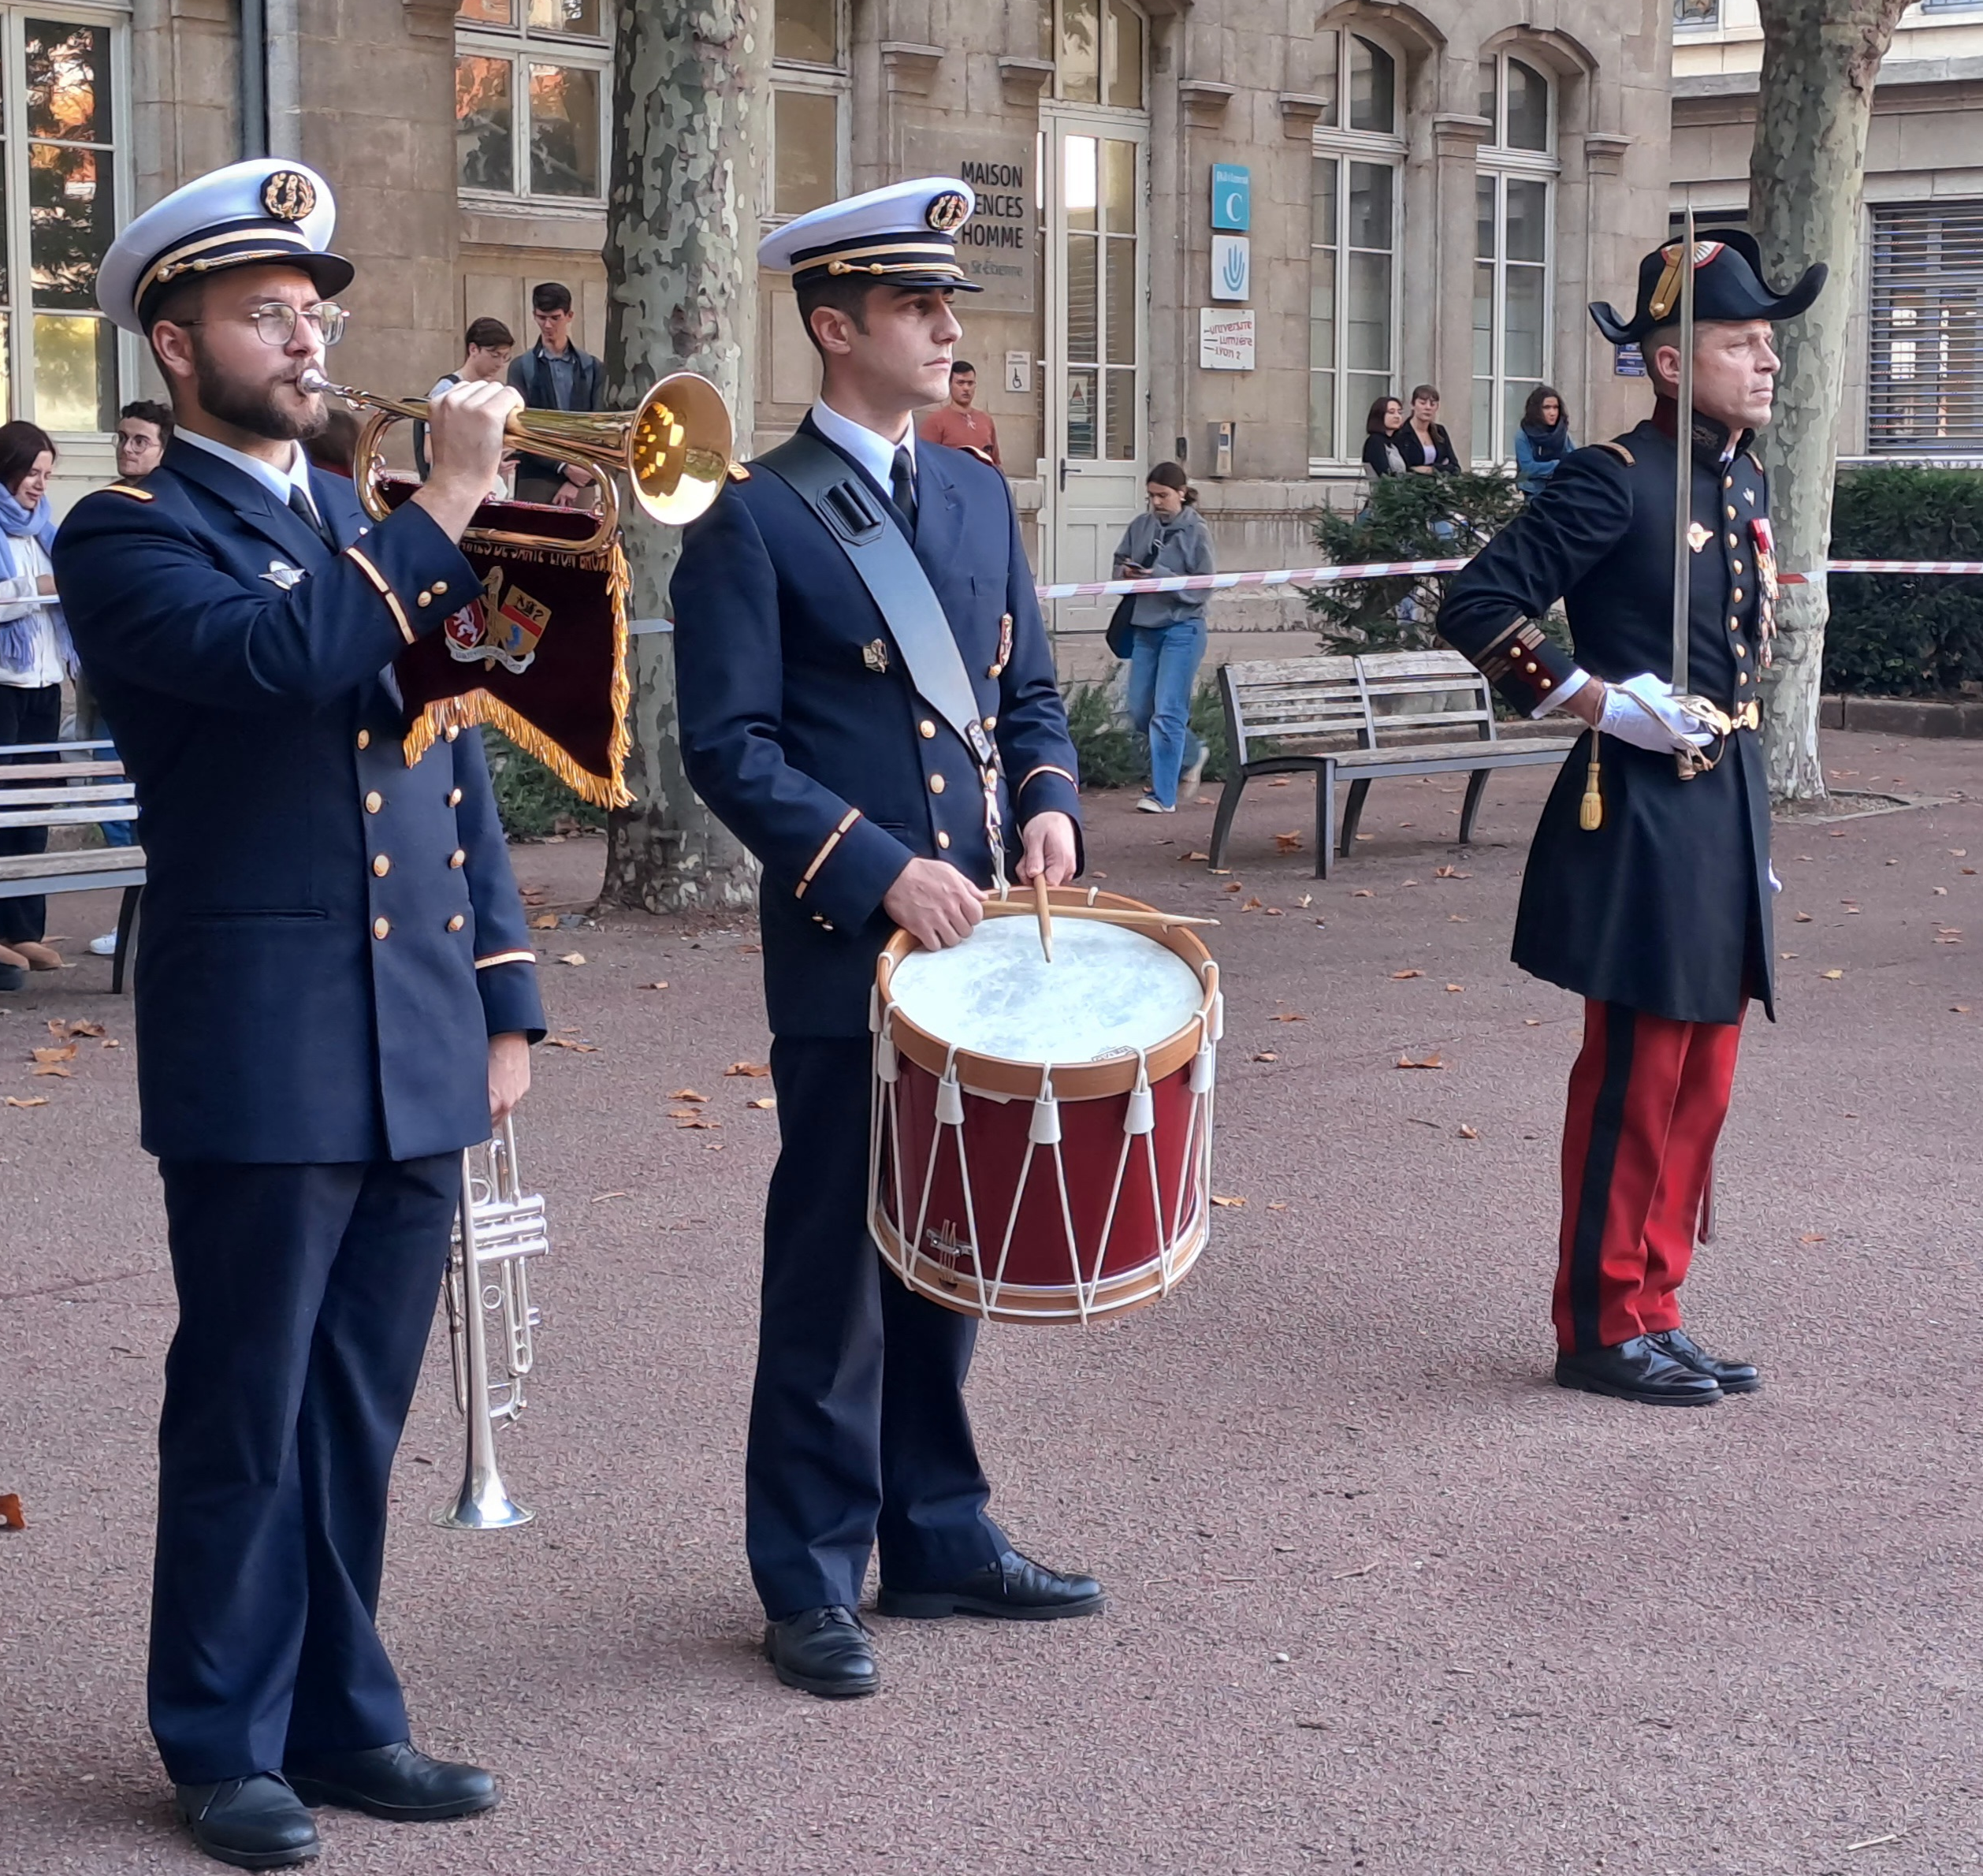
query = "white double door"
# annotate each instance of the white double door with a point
(1095, 175)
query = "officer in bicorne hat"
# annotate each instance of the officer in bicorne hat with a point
(808, 724)
(334, 991)
(1648, 886)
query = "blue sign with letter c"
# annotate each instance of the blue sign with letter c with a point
(1232, 196)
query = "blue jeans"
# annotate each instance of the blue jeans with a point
(1163, 672)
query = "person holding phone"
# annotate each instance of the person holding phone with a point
(1167, 633)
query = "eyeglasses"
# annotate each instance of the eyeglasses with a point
(276, 322)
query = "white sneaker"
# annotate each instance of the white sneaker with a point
(106, 947)
(1150, 805)
(1187, 782)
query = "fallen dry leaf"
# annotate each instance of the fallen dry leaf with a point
(756, 1070)
(1398, 977)
(1288, 843)
(1296, 1015)
(573, 958)
(548, 921)
(1281, 1205)
(751, 950)
(1454, 872)
(1308, 898)
(30, 1101)
(1230, 1200)
(1254, 904)
(601, 1197)
(1273, 912)
(1803, 918)
(1831, 975)
(1959, 853)
(687, 1094)
(699, 1125)
(1364, 891)
(1535, 1022)
(1236, 886)
(1430, 1061)
(85, 1028)
(1455, 989)
(1954, 1009)
(66, 1053)
(662, 982)
(1282, 782)
(1467, 1133)
(1268, 1055)
(1185, 857)
(577, 1048)
(683, 1113)
(10, 1517)
(1809, 1237)
(770, 1100)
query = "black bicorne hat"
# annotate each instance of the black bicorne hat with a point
(1728, 286)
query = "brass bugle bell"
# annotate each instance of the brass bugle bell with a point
(673, 448)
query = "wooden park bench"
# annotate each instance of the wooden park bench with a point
(1363, 719)
(46, 790)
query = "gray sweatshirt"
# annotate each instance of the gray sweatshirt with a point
(1182, 545)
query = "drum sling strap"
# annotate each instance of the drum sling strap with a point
(879, 552)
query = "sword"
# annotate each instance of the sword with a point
(1683, 487)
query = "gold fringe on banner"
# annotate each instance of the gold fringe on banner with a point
(479, 707)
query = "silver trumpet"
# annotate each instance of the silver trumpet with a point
(499, 1229)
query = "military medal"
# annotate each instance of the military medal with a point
(874, 654)
(1765, 542)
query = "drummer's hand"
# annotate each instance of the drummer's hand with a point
(934, 903)
(1050, 850)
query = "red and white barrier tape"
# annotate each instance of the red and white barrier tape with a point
(1320, 576)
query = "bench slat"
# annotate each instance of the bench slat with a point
(85, 860)
(52, 772)
(55, 798)
(63, 817)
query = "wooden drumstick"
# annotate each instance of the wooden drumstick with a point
(1108, 915)
(1045, 913)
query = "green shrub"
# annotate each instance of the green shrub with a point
(1406, 518)
(1112, 755)
(1894, 634)
(531, 800)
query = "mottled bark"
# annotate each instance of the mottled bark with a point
(691, 105)
(1820, 60)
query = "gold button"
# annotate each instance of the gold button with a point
(990, 723)
(381, 865)
(1729, 512)
(943, 839)
(440, 586)
(425, 599)
(1735, 624)
(936, 784)
(1737, 596)
(1530, 668)
(451, 732)
(926, 729)
(455, 924)
(364, 738)
(1742, 677)
(379, 928)
(993, 670)
(1735, 565)
(1742, 651)
(1735, 540)
(1544, 683)
(374, 801)
(454, 798)
(458, 858)
(1728, 481)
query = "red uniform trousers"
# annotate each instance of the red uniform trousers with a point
(1647, 1098)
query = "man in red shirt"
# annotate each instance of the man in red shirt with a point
(960, 424)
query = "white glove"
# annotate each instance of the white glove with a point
(1642, 711)
(1775, 884)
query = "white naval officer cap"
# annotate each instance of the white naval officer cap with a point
(903, 236)
(270, 208)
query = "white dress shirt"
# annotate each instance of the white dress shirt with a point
(277, 481)
(871, 450)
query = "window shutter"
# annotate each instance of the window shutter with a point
(1924, 376)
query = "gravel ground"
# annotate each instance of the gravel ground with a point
(1381, 1598)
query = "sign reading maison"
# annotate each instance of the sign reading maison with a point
(997, 247)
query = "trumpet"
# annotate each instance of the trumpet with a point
(499, 1229)
(673, 448)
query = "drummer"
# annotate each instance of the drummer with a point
(842, 706)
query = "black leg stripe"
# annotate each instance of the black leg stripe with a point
(1600, 1159)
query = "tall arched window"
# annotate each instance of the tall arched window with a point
(1514, 200)
(1353, 251)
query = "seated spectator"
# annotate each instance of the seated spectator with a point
(960, 424)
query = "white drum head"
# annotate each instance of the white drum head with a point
(1110, 991)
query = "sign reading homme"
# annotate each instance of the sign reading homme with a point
(998, 248)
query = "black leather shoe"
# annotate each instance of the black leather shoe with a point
(1638, 1370)
(824, 1651)
(255, 1823)
(1731, 1377)
(1015, 1589)
(398, 1783)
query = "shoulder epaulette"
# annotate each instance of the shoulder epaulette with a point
(1751, 455)
(1617, 449)
(983, 455)
(126, 489)
(740, 472)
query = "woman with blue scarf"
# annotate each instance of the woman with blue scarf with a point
(1542, 441)
(36, 656)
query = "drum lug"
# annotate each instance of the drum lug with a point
(1043, 1129)
(886, 1068)
(1141, 1114)
(950, 1101)
(1203, 1067)
(1217, 1031)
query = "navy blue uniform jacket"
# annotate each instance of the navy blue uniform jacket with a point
(1666, 907)
(329, 937)
(801, 730)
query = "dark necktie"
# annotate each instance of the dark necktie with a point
(300, 506)
(901, 484)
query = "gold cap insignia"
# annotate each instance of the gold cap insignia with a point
(948, 211)
(289, 195)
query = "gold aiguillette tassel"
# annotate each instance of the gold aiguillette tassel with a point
(1590, 813)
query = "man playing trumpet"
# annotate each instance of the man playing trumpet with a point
(334, 993)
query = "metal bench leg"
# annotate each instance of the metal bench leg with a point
(127, 917)
(1325, 820)
(1228, 801)
(1476, 788)
(1352, 812)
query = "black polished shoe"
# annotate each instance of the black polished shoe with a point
(824, 1651)
(398, 1783)
(1638, 1370)
(256, 1823)
(1015, 1589)
(1731, 1377)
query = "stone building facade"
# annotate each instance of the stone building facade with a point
(1214, 231)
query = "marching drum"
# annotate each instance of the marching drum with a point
(1042, 1131)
